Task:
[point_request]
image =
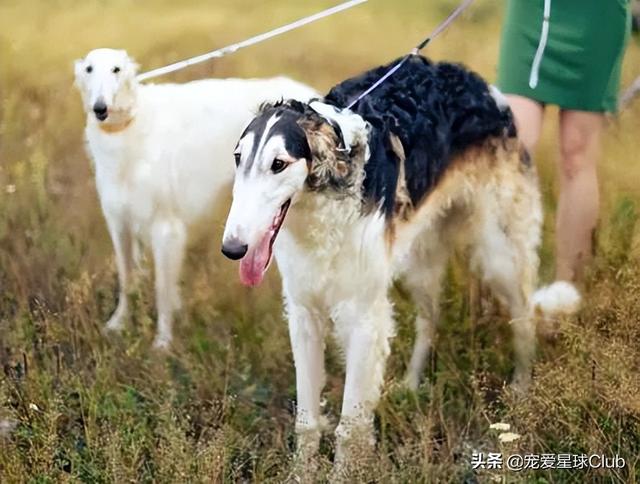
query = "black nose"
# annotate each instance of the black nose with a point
(234, 249)
(100, 110)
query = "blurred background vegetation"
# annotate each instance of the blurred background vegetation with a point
(76, 405)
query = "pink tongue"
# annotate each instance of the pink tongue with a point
(254, 264)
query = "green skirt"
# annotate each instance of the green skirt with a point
(565, 52)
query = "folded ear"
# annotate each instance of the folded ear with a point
(78, 68)
(330, 166)
(353, 128)
(132, 65)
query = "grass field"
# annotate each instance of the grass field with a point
(78, 406)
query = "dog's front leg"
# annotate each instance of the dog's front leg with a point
(307, 334)
(121, 237)
(364, 329)
(168, 243)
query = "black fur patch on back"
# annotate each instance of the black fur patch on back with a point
(438, 110)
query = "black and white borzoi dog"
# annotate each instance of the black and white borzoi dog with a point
(348, 200)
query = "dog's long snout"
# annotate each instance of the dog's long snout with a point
(234, 249)
(100, 109)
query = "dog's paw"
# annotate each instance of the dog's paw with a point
(304, 469)
(162, 342)
(520, 384)
(411, 381)
(114, 325)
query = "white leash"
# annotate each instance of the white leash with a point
(415, 51)
(246, 43)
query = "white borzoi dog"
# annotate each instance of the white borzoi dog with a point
(162, 158)
(348, 200)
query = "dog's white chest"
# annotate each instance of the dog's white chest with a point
(129, 185)
(328, 263)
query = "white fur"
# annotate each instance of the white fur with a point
(166, 162)
(558, 298)
(352, 127)
(337, 264)
(339, 274)
(500, 99)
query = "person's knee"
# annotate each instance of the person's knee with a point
(579, 144)
(574, 154)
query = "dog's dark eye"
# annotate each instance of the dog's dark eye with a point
(237, 155)
(115, 70)
(89, 69)
(278, 165)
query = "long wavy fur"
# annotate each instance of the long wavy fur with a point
(436, 109)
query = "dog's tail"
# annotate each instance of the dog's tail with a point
(557, 299)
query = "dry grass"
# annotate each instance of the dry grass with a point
(220, 407)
